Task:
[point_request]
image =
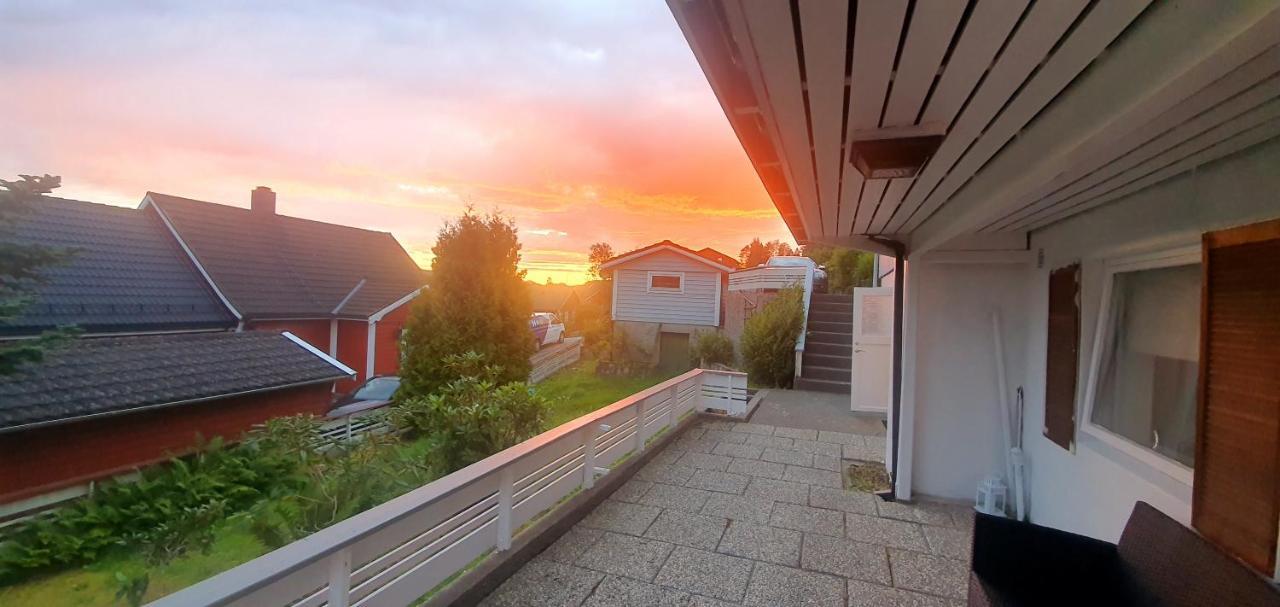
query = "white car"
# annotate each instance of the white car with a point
(546, 329)
(797, 261)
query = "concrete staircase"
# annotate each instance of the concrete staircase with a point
(828, 350)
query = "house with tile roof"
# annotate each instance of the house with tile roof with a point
(344, 290)
(159, 364)
(665, 293)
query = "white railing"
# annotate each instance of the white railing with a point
(804, 326)
(353, 427)
(396, 553)
(778, 277)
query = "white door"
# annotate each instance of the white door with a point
(872, 349)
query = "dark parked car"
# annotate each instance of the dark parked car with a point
(373, 393)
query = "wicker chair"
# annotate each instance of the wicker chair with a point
(1157, 562)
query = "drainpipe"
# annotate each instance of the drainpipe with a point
(895, 408)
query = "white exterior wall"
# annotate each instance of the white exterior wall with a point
(957, 438)
(1092, 491)
(699, 304)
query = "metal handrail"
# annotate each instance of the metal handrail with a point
(319, 568)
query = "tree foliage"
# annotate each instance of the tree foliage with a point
(21, 265)
(600, 253)
(475, 300)
(756, 252)
(769, 337)
(712, 348)
(848, 268)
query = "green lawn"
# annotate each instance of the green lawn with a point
(577, 390)
(572, 393)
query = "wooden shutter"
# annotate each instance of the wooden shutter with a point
(1064, 355)
(1236, 497)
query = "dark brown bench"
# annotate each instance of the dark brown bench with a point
(1157, 562)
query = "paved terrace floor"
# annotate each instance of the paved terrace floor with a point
(751, 514)
(814, 410)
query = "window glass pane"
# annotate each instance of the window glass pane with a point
(665, 282)
(1147, 385)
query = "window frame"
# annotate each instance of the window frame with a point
(648, 282)
(1102, 333)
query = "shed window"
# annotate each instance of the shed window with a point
(1147, 352)
(666, 282)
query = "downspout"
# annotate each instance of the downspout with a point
(895, 407)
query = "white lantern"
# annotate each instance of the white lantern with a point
(991, 496)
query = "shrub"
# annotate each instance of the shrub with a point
(472, 417)
(475, 299)
(713, 347)
(847, 268)
(769, 339)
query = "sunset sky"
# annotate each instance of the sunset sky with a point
(584, 121)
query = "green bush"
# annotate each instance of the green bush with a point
(769, 339)
(163, 512)
(847, 268)
(713, 347)
(472, 417)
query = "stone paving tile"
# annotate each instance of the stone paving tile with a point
(744, 451)
(866, 594)
(949, 542)
(625, 555)
(702, 601)
(739, 508)
(844, 438)
(755, 467)
(808, 519)
(571, 545)
(800, 433)
(705, 461)
(763, 429)
(671, 475)
(863, 453)
(779, 491)
(542, 583)
(787, 456)
(846, 558)
(924, 512)
(709, 574)
(622, 592)
(622, 517)
(811, 446)
(725, 436)
(826, 462)
(675, 497)
(840, 499)
(929, 574)
(631, 491)
(883, 531)
(717, 425)
(776, 442)
(813, 476)
(714, 480)
(693, 530)
(875, 442)
(777, 586)
(668, 456)
(695, 445)
(761, 543)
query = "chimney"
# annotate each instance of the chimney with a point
(263, 200)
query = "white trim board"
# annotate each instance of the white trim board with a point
(377, 316)
(350, 294)
(1180, 256)
(616, 261)
(147, 202)
(648, 282)
(312, 349)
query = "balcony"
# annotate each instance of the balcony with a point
(650, 497)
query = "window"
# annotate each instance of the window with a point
(672, 282)
(1146, 361)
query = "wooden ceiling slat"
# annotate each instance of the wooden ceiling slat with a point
(1095, 32)
(765, 29)
(872, 192)
(986, 30)
(1043, 26)
(850, 193)
(1218, 115)
(933, 22)
(824, 28)
(1100, 151)
(890, 203)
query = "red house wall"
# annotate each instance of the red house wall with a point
(314, 332)
(46, 459)
(353, 339)
(387, 345)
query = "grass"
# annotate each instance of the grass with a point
(576, 391)
(572, 392)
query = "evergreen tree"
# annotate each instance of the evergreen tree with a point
(475, 300)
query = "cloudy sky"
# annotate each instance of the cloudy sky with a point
(584, 121)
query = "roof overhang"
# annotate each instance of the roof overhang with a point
(1047, 108)
(650, 250)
